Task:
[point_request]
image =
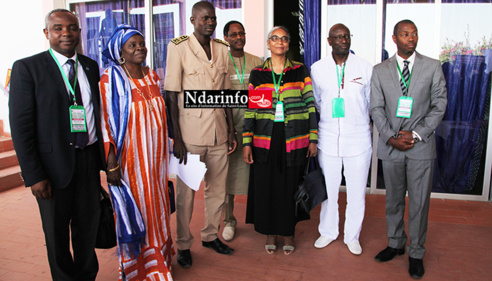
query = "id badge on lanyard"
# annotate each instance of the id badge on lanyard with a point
(77, 119)
(338, 104)
(279, 109)
(279, 112)
(337, 108)
(404, 109)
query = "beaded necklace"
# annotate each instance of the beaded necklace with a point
(147, 101)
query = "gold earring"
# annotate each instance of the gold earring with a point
(121, 60)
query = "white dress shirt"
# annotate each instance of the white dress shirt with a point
(350, 135)
(85, 91)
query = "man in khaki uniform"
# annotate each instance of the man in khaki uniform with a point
(240, 65)
(197, 62)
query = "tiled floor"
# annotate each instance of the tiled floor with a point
(459, 246)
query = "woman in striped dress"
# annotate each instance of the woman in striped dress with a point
(136, 145)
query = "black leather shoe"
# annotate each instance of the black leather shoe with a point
(184, 258)
(416, 268)
(218, 246)
(388, 254)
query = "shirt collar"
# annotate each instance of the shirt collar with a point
(63, 59)
(349, 58)
(288, 64)
(411, 59)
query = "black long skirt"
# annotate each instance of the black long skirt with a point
(272, 185)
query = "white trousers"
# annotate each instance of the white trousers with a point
(355, 170)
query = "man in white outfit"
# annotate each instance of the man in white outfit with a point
(341, 84)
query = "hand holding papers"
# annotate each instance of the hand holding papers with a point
(192, 173)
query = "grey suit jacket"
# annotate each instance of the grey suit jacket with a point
(428, 90)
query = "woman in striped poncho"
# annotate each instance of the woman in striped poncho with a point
(277, 141)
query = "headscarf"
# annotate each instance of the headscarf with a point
(130, 227)
(119, 37)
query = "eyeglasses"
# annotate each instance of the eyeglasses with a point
(405, 35)
(340, 37)
(284, 39)
(236, 34)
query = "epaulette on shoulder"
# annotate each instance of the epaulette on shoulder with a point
(221, 42)
(180, 39)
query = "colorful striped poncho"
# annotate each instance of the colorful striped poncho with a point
(301, 126)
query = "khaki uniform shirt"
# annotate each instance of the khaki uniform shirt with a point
(238, 176)
(188, 68)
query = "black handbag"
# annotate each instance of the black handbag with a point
(312, 189)
(106, 233)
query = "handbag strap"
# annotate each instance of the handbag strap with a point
(306, 170)
(315, 162)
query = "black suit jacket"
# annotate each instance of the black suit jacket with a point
(39, 118)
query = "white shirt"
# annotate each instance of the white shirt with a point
(85, 91)
(349, 135)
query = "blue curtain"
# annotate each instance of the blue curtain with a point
(461, 137)
(312, 15)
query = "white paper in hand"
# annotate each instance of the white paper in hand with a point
(192, 173)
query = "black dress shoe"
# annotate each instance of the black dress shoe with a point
(218, 246)
(184, 258)
(388, 254)
(416, 268)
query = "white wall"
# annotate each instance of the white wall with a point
(478, 19)
(257, 20)
(22, 29)
(362, 25)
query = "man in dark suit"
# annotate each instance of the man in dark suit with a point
(408, 100)
(49, 93)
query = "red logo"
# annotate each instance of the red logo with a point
(260, 98)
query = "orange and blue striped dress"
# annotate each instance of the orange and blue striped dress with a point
(143, 163)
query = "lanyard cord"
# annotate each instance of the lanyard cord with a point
(70, 88)
(277, 85)
(340, 79)
(241, 79)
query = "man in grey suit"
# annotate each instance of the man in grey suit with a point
(408, 100)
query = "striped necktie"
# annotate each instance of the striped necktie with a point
(81, 139)
(405, 74)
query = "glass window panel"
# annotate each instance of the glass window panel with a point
(167, 25)
(461, 138)
(171, 19)
(98, 19)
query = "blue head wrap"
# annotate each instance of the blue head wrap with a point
(119, 37)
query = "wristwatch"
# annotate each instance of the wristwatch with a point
(415, 137)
